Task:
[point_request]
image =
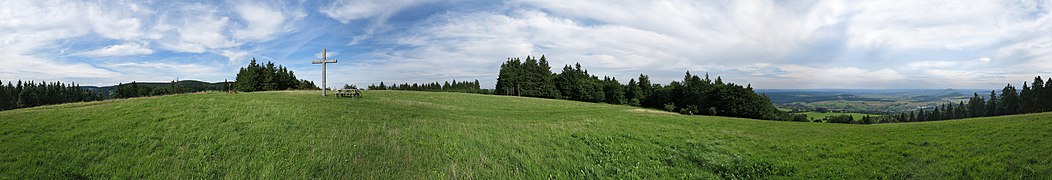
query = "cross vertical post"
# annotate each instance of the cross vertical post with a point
(324, 60)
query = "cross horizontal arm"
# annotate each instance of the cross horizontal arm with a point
(323, 61)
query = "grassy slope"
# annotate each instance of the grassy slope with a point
(392, 134)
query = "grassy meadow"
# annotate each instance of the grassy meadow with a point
(412, 135)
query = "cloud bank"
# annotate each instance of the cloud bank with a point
(770, 44)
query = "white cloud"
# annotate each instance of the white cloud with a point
(126, 49)
(118, 21)
(630, 38)
(35, 37)
(197, 29)
(950, 78)
(787, 44)
(834, 77)
(33, 68)
(180, 68)
(710, 32)
(932, 64)
(263, 22)
(953, 25)
(346, 11)
(30, 25)
(882, 41)
(234, 56)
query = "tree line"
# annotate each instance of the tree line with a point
(693, 95)
(139, 89)
(455, 86)
(256, 77)
(1030, 99)
(31, 94)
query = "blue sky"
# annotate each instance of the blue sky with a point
(770, 44)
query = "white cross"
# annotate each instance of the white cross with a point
(324, 60)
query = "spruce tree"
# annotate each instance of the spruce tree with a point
(992, 105)
(976, 106)
(247, 79)
(1039, 96)
(1026, 99)
(4, 97)
(1009, 100)
(633, 94)
(1046, 99)
(546, 84)
(614, 91)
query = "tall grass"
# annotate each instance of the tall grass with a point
(411, 135)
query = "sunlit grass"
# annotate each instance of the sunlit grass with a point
(409, 135)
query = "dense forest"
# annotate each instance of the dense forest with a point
(455, 86)
(256, 77)
(1031, 99)
(31, 94)
(693, 95)
(140, 89)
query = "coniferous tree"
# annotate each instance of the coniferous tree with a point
(633, 94)
(546, 79)
(26, 98)
(693, 95)
(30, 94)
(246, 78)
(951, 111)
(614, 91)
(976, 106)
(1039, 95)
(992, 105)
(5, 97)
(256, 77)
(577, 84)
(1009, 100)
(646, 90)
(1045, 102)
(509, 78)
(270, 79)
(308, 85)
(567, 83)
(1026, 99)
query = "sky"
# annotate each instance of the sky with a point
(848, 44)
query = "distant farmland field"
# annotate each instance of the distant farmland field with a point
(819, 115)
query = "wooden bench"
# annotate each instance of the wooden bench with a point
(354, 93)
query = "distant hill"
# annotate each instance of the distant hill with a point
(873, 101)
(184, 85)
(427, 135)
(815, 96)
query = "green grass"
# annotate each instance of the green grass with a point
(818, 115)
(411, 135)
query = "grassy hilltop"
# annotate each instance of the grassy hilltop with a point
(399, 134)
